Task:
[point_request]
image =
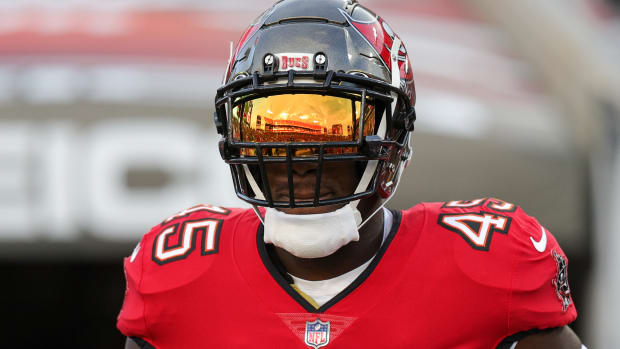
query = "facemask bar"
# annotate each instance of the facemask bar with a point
(370, 148)
(332, 83)
(243, 177)
(240, 174)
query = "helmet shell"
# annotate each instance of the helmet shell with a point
(335, 47)
(353, 38)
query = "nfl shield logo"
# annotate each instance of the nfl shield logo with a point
(317, 333)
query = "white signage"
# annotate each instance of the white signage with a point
(58, 181)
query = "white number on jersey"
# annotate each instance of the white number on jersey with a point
(476, 228)
(492, 203)
(208, 229)
(197, 208)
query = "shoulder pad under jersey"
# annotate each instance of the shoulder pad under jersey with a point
(173, 253)
(497, 244)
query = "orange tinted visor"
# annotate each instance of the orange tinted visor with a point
(301, 118)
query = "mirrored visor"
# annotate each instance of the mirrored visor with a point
(301, 118)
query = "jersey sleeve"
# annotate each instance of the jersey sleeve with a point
(540, 294)
(131, 320)
(168, 257)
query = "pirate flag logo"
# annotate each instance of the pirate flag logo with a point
(562, 289)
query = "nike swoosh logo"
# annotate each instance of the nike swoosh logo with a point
(541, 245)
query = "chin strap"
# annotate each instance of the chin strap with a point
(396, 83)
(253, 184)
(260, 218)
(399, 174)
(256, 189)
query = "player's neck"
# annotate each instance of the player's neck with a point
(344, 260)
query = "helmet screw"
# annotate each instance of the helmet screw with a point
(320, 58)
(269, 59)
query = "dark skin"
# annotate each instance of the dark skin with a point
(337, 182)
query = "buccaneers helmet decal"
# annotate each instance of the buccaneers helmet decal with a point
(314, 82)
(381, 36)
(245, 38)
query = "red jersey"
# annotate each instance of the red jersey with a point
(461, 274)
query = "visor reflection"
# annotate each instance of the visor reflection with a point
(300, 118)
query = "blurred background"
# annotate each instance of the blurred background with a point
(106, 129)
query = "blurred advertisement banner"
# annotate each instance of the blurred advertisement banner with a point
(112, 179)
(105, 120)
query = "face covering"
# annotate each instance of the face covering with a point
(312, 235)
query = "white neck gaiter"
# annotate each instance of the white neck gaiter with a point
(312, 235)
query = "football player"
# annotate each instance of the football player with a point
(315, 114)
